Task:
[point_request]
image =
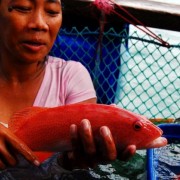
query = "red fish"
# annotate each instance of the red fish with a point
(47, 129)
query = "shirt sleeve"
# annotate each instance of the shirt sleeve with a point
(79, 84)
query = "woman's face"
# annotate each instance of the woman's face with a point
(29, 28)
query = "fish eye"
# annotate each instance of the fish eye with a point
(138, 125)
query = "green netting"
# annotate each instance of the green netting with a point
(149, 82)
(127, 68)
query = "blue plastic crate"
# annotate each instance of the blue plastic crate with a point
(172, 133)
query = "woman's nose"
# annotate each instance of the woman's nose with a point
(38, 22)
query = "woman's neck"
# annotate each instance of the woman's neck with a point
(21, 72)
(19, 87)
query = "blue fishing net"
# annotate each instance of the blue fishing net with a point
(97, 55)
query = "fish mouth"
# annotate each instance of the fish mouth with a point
(157, 143)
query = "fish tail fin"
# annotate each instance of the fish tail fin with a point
(20, 118)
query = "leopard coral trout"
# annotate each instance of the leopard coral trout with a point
(47, 129)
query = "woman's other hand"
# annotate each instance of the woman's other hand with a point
(10, 147)
(87, 153)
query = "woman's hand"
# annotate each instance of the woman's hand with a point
(87, 153)
(10, 146)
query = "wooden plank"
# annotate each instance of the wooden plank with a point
(153, 13)
(150, 12)
(150, 5)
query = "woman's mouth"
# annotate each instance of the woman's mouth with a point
(33, 46)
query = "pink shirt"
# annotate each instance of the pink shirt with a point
(65, 82)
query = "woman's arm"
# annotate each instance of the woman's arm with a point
(92, 100)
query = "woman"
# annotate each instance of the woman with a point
(28, 77)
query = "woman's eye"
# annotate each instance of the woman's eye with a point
(22, 9)
(52, 12)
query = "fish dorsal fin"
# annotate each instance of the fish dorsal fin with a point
(20, 118)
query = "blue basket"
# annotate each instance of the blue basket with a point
(171, 132)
